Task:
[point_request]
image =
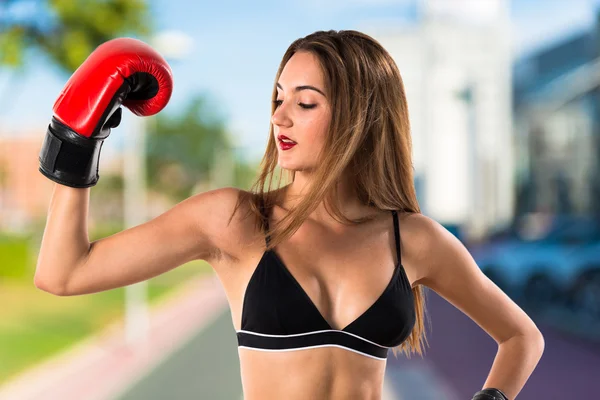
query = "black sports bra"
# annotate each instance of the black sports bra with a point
(278, 315)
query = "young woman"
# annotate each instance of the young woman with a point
(323, 274)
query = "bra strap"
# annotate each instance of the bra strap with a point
(397, 236)
(265, 217)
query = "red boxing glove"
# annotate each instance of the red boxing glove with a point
(119, 72)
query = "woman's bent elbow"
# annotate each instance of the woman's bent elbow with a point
(56, 290)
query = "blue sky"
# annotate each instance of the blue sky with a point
(237, 46)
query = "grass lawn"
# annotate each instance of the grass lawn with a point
(35, 325)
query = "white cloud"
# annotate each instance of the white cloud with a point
(173, 44)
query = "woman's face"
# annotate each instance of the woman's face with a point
(302, 112)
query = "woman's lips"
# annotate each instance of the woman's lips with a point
(285, 146)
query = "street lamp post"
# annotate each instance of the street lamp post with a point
(136, 312)
(173, 45)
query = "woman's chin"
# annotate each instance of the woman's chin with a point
(293, 166)
(288, 167)
(286, 164)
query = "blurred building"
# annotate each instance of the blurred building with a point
(557, 125)
(24, 192)
(455, 62)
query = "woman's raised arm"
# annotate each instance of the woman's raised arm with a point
(69, 264)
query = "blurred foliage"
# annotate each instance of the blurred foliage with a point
(182, 151)
(14, 251)
(244, 174)
(38, 325)
(66, 30)
(106, 205)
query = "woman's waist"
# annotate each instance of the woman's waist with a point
(322, 373)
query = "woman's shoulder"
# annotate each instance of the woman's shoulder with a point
(418, 228)
(235, 221)
(422, 237)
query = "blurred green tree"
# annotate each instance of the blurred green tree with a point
(182, 151)
(67, 31)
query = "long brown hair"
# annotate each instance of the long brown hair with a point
(369, 137)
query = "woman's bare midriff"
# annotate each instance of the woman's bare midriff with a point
(318, 373)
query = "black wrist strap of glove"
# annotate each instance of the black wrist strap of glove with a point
(69, 158)
(489, 394)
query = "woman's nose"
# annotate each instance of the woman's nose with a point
(280, 117)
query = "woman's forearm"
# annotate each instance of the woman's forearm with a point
(65, 242)
(515, 361)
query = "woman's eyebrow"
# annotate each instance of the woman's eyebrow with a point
(304, 87)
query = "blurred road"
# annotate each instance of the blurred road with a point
(207, 367)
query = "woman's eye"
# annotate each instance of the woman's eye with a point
(277, 103)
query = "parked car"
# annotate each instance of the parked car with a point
(555, 260)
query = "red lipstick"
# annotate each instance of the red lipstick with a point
(285, 143)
